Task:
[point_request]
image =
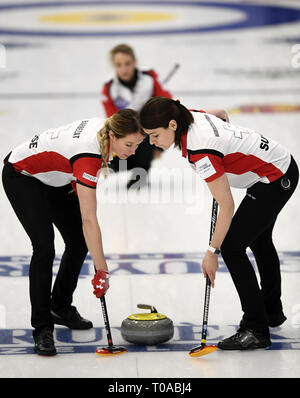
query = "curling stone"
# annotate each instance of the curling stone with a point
(147, 328)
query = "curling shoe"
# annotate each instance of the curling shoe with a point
(43, 342)
(245, 339)
(71, 318)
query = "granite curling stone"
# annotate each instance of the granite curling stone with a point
(147, 328)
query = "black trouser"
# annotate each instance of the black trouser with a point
(38, 207)
(252, 227)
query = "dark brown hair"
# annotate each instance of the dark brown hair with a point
(158, 111)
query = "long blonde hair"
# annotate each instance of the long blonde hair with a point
(122, 123)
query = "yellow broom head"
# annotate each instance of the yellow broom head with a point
(202, 350)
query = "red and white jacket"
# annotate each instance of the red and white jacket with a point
(116, 96)
(214, 147)
(62, 155)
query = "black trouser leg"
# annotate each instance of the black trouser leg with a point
(141, 159)
(243, 274)
(252, 223)
(143, 156)
(268, 265)
(67, 218)
(39, 206)
(28, 198)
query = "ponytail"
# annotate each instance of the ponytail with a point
(103, 138)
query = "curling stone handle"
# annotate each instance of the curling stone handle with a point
(147, 307)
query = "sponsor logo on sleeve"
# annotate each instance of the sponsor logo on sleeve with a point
(89, 177)
(205, 168)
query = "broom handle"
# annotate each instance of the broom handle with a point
(106, 321)
(105, 317)
(171, 73)
(213, 221)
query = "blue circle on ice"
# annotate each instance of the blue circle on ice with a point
(254, 16)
